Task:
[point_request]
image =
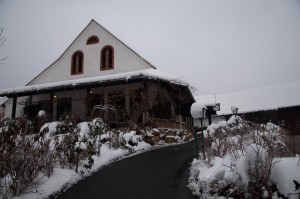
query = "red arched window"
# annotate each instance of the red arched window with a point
(107, 58)
(92, 40)
(77, 63)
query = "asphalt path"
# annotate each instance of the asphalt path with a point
(160, 173)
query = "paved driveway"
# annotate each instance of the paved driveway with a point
(160, 173)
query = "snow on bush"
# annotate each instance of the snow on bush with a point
(240, 158)
(131, 141)
(28, 161)
(283, 174)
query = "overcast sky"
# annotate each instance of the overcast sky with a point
(218, 46)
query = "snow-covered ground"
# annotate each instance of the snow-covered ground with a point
(63, 178)
(239, 161)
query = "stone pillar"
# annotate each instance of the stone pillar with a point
(179, 119)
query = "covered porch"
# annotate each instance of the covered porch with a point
(132, 100)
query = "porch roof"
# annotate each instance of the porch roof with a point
(129, 77)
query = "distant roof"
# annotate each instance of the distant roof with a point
(152, 74)
(264, 98)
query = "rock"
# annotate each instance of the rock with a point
(170, 139)
(171, 133)
(155, 132)
(156, 139)
(150, 140)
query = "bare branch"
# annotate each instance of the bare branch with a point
(104, 108)
(2, 42)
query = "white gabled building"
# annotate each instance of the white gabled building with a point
(99, 69)
(92, 41)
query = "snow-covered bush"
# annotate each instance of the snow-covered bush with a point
(241, 156)
(124, 139)
(72, 150)
(20, 125)
(129, 140)
(24, 161)
(97, 127)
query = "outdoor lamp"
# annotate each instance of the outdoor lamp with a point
(234, 110)
(198, 111)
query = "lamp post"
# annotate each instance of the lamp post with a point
(198, 111)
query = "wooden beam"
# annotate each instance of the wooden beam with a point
(127, 101)
(51, 105)
(14, 108)
(88, 103)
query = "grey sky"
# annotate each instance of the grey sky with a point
(217, 46)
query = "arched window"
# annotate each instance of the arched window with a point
(107, 58)
(77, 63)
(92, 40)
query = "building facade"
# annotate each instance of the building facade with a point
(99, 76)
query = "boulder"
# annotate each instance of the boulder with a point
(170, 139)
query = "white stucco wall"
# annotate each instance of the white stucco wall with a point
(125, 60)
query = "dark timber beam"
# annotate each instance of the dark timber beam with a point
(14, 108)
(87, 103)
(51, 105)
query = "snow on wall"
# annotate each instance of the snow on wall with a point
(265, 98)
(125, 60)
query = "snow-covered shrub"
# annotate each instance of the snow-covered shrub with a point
(128, 140)
(17, 126)
(97, 127)
(52, 128)
(24, 160)
(72, 149)
(80, 143)
(241, 156)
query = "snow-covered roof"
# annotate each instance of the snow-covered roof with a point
(148, 73)
(264, 98)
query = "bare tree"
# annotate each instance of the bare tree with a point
(2, 41)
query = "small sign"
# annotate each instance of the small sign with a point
(216, 108)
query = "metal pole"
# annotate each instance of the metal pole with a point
(202, 140)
